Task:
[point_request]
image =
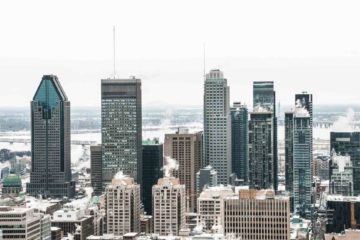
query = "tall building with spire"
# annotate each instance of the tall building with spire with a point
(217, 125)
(121, 128)
(50, 141)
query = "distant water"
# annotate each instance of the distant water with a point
(149, 132)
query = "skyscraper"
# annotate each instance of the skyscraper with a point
(239, 140)
(122, 205)
(264, 102)
(302, 161)
(152, 170)
(96, 170)
(186, 148)
(347, 143)
(261, 156)
(50, 141)
(217, 125)
(289, 138)
(121, 128)
(168, 206)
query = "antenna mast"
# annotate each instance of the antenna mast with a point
(204, 62)
(114, 50)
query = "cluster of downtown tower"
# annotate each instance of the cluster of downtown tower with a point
(241, 146)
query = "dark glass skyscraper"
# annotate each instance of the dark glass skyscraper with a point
(263, 116)
(289, 135)
(121, 128)
(96, 171)
(152, 170)
(239, 140)
(261, 157)
(348, 143)
(302, 163)
(50, 141)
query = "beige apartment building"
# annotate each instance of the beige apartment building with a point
(123, 206)
(168, 206)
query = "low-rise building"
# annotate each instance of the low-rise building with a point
(19, 223)
(257, 214)
(73, 221)
(211, 208)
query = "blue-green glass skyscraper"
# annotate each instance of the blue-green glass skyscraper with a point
(50, 141)
(239, 140)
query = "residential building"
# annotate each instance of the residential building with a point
(123, 205)
(168, 206)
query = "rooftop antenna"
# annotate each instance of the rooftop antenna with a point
(114, 50)
(204, 62)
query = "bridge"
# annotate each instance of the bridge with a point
(27, 141)
(322, 124)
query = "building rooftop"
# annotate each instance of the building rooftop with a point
(168, 181)
(340, 198)
(154, 141)
(12, 180)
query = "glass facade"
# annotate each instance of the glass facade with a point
(152, 170)
(50, 141)
(239, 141)
(263, 135)
(348, 143)
(121, 128)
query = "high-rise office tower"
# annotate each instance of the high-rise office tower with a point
(96, 169)
(168, 206)
(152, 170)
(347, 143)
(264, 113)
(121, 128)
(217, 125)
(302, 161)
(50, 141)
(257, 214)
(239, 140)
(122, 205)
(186, 148)
(289, 138)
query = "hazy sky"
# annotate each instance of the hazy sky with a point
(301, 45)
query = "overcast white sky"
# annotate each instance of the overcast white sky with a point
(301, 45)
